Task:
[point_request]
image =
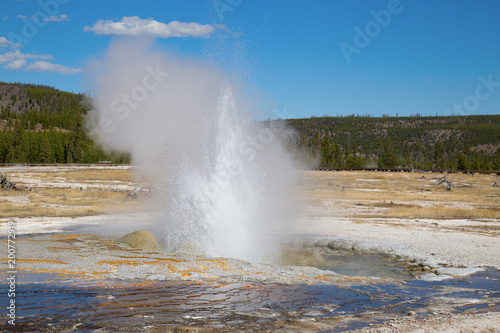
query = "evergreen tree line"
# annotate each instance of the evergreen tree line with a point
(44, 125)
(40, 124)
(418, 142)
(51, 146)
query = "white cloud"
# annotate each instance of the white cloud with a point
(59, 18)
(22, 16)
(16, 64)
(5, 18)
(24, 61)
(133, 26)
(44, 66)
(5, 43)
(12, 56)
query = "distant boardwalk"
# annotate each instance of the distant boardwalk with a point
(110, 163)
(408, 170)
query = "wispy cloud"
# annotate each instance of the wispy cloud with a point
(5, 43)
(5, 18)
(45, 66)
(34, 62)
(134, 26)
(60, 18)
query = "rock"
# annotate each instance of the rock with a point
(454, 271)
(341, 244)
(302, 257)
(431, 263)
(141, 239)
(366, 247)
(434, 277)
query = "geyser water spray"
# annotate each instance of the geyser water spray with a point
(226, 181)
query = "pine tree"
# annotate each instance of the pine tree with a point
(316, 141)
(388, 159)
(45, 150)
(475, 162)
(496, 160)
(462, 163)
(439, 155)
(419, 148)
(326, 152)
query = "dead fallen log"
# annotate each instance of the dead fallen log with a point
(135, 193)
(419, 171)
(6, 184)
(444, 180)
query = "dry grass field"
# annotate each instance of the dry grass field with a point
(404, 195)
(87, 191)
(68, 192)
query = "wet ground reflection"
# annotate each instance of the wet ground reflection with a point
(364, 264)
(134, 306)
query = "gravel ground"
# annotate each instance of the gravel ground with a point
(441, 322)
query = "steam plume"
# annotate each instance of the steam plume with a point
(226, 177)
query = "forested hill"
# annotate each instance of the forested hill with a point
(453, 143)
(40, 124)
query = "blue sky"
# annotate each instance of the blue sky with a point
(303, 58)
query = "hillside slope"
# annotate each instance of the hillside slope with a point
(456, 142)
(40, 124)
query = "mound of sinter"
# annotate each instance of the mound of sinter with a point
(141, 239)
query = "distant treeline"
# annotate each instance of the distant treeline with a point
(40, 124)
(453, 143)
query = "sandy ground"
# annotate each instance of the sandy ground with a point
(343, 211)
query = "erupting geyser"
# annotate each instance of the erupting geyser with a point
(226, 178)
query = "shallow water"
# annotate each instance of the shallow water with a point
(364, 264)
(132, 305)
